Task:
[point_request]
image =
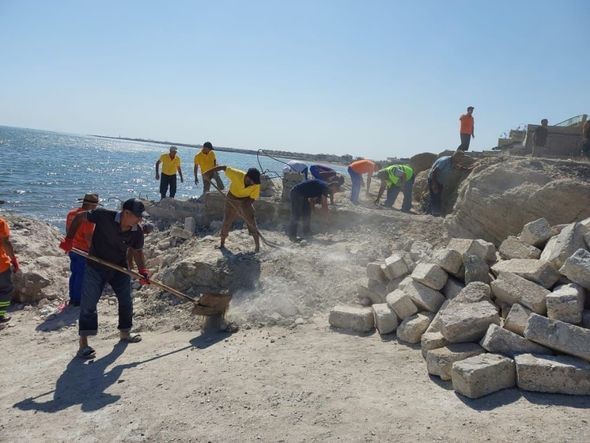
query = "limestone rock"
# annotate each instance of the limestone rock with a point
(424, 297)
(473, 293)
(502, 194)
(476, 269)
(514, 247)
(385, 319)
(430, 275)
(375, 272)
(411, 329)
(536, 233)
(481, 248)
(483, 374)
(501, 341)
(420, 250)
(401, 303)
(537, 271)
(440, 361)
(558, 335)
(468, 321)
(511, 288)
(435, 324)
(370, 297)
(555, 374)
(562, 246)
(566, 303)
(577, 268)
(432, 340)
(586, 319)
(448, 259)
(353, 318)
(517, 319)
(395, 266)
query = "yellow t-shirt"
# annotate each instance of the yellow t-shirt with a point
(205, 161)
(169, 165)
(237, 188)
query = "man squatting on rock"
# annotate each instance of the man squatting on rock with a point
(244, 189)
(115, 232)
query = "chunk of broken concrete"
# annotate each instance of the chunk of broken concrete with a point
(439, 361)
(423, 297)
(411, 329)
(353, 318)
(501, 341)
(483, 374)
(430, 275)
(563, 245)
(511, 288)
(517, 318)
(514, 247)
(536, 233)
(537, 271)
(555, 374)
(566, 303)
(464, 322)
(577, 268)
(558, 335)
(385, 319)
(401, 303)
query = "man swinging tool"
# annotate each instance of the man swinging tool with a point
(114, 233)
(244, 189)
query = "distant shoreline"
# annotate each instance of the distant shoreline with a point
(321, 158)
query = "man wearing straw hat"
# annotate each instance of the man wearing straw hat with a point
(81, 241)
(114, 233)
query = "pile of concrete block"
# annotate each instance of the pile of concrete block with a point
(488, 319)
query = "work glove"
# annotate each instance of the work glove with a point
(15, 265)
(146, 276)
(67, 244)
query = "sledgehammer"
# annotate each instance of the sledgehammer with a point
(206, 304)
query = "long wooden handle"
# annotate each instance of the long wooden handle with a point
(133, 274)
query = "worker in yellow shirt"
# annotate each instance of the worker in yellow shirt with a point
(207, 161)
(170, 164)
(244, 188)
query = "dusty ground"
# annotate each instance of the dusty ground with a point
(294, 381)
(271, 384)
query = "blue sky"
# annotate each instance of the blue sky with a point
(371, 78)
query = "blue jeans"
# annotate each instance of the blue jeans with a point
(357, 180)
(94, 283)
(393, 191)
(77, 267)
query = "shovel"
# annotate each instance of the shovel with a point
(207, 304)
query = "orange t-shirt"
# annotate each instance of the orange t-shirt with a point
(83, 237)
(363, 166)
(466, 124)
(4, 258)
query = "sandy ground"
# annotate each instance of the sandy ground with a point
(306, 383)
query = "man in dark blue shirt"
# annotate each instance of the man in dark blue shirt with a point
(115, 233)
(303, 197)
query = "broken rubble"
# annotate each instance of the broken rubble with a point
(464, 322)
(411, 329)
(558, 335)
(562, 246)
(537, 271)
(481, 248)
(555, 374)
(395, 266)
(448, 259)
(385, 319)
(432, 340)
(517, 319)
(439, 361)
(536, 233)
(577, 268)
(430, 275)
(401, 303)
(375, 272)
(452, 288)
(514, 247)
(476, 269)
(566, 303)
(501, 341)
(354, 318)
(511, 288)
(483, 374)
(423, 297)
(473, 293)
(420, 250)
